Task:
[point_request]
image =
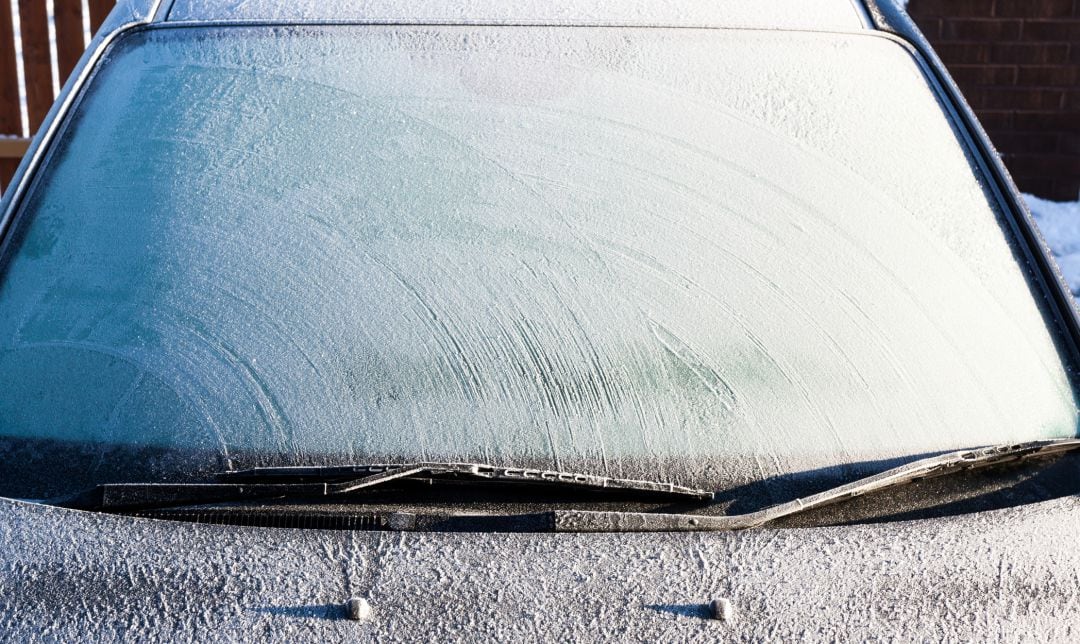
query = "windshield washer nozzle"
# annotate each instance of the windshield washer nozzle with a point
(358, 609)
(721, 609)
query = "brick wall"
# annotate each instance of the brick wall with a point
(1018, 64)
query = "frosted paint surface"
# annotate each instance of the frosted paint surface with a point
(1004, 576)
(777, 14)
(707, 256)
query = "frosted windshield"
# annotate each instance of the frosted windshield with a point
(695, 255)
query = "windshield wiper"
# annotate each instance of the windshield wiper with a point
(943, 464)
(356, 477)
(328, 483)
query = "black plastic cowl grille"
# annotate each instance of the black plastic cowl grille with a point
(291, 520)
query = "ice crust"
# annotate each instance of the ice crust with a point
(1003, 576)
(779, 14)
(599, 254)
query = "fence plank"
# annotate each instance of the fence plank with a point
(99, 9)
(12, 147)
(70, 41)
(10, 114)
(37, 61)
(7, 169)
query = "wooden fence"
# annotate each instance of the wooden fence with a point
(37, 64)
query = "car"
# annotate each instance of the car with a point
(562, 321)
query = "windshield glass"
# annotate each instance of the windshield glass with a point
(702, 256)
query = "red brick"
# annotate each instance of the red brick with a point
(930, 27)
(976, 75)
(995, 120)
(1055, 165)
(1033, 8)
(960, 53)
(1052, 30)
(971, 94)
(7, 170)
(1069, 143)
(1072, 99)
(1049, 76)
(1035, 185)
(950, 7)
(1026, 142)
(1068, 121)
(1020, 98)
(1062, 190)
(995, 135)
(1030, 53)
(988, 29)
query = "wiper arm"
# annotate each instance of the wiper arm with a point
(943, 464)
(356, 477)
(334, 483)
(319, 483)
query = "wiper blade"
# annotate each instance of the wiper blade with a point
(355, 477)
(943, 464)
(333, 483)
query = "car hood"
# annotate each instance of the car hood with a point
(1007, 574)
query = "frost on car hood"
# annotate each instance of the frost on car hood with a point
(1009, 575)
(655, 253)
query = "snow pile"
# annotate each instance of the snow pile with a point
(1060, 227)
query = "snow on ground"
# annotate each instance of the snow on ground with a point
(1060, 226)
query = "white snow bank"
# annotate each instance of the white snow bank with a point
(1060, 226)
